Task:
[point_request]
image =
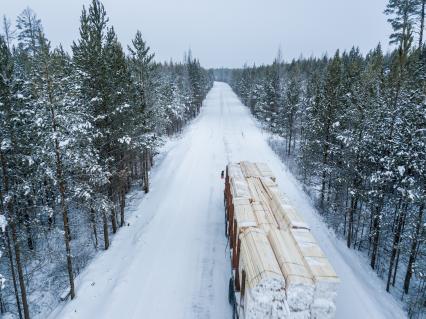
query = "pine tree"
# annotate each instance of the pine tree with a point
(292, 104)
(46, 78)
(12, 155)
(9, 33)
(327, 119)
(89, 56)
(29, 28)
(141, 68)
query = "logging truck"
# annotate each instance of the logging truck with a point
(278, 269)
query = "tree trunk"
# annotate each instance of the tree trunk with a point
(20, 270)
(422, 24)
(93, 221)
(27, 225)
(396, 239)
(290, 134)
(122, 205)
(362, 231)
(397, 256)
(67, 236)
(325, 154)
(2, 306)
(12, 270)
(346, 210)
(375, 234)
(6, 233)
(323, 183)
(106, 235)
(352, 209)
(414, 243)
(328, 189)
(113, 216)
(113, 219)
(396, 267)
(61, 183)
(146, 171)
(358, 225)
(324, 174)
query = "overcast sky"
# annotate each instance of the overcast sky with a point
(225, 33)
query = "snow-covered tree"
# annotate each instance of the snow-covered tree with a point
(359, 144)
(77, 133)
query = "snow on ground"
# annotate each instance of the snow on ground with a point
(171, 262)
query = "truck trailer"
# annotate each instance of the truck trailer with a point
(278, 268)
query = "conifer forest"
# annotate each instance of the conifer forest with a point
(353, 128)
(98, 139)
(78, 131)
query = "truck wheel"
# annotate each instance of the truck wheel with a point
(234, 312)
(231, 296)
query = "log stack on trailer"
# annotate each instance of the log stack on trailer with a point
(261, 277)
(278, 268)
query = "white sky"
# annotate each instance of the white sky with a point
(225, 33)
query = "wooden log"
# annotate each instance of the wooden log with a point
(249, 169)
(256, 170)
(239, 188)
(243, 218)
(298, 278)
(325, 278)
(273, 246)
(265, 171)
(258, 258)
(285, 214)
(264, 217)
(264, 284)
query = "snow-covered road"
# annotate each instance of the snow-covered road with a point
(171, 262)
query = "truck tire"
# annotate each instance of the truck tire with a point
(231, 295)
(226, 226)
(234, 312)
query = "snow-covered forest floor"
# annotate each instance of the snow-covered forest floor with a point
(279, 144)
(172, 259)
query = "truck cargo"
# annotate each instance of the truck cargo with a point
(278, 268)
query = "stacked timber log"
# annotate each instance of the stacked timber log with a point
(261, 277)
(279, 269)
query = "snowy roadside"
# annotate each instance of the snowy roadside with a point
(134, 277)
(350, 264)
(133, 200)
(357, 260)
(356, 275)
